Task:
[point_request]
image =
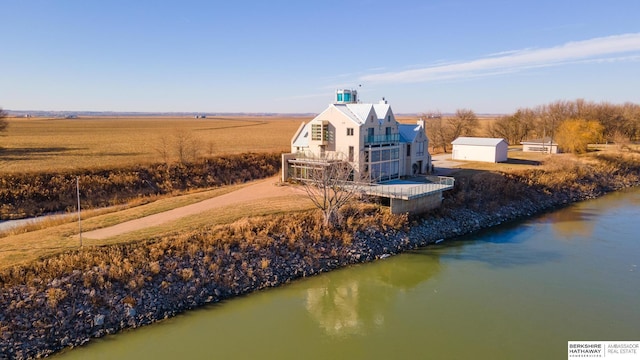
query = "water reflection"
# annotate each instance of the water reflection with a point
(358, 302)
(573, 222)
(580, 220)
(498, 247)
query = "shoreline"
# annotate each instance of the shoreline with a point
(44, 320)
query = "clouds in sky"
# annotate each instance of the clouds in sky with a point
(625, 47)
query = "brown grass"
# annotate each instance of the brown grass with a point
(23, 247)
(37, 144)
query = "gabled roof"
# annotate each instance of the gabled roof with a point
(478, 141)
(360, 113)
(408, 132)
(302, 138)
(381, 110)
(346, 111)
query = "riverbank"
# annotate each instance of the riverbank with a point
(66, 300)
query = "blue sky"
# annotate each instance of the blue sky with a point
(289, 56)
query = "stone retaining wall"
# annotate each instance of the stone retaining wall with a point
(35, 323)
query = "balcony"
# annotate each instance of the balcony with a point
(390, 139)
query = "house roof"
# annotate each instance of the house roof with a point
(359, 113)
(408, 132)
(302, 140)
(477, 141)
(544, 141)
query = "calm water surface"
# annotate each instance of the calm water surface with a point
(518, 292)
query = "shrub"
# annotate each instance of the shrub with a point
(33, 194)
(54, 296)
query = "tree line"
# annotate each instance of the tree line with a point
(571, 124)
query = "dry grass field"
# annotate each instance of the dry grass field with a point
(45, 144)
(38, 144)
(39, 240)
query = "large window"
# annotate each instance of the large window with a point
(319, 132)
(385, 163)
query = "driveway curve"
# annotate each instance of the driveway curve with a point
(261, 189)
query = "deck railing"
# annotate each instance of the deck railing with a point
(412, 191)
(381, 139)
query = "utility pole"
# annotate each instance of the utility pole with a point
(79, 218)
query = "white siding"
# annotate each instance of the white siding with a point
(497, 153)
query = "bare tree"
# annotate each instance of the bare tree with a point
(514, 128)
(632, 114)
(162, 148)
(328, 184)
(3, 120)
(182, 144)
(464, 123)
(435, 128)
(442, 131)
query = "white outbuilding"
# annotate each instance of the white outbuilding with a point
(480, 149)
(545, 145)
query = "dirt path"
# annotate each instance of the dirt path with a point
(443, 164)
(261, 189)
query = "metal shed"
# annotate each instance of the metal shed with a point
(480, 149)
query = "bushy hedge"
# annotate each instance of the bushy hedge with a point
(565, 177)
(32, 194)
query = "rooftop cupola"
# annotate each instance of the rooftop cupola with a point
(346, 96)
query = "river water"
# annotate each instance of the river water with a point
(517, 292)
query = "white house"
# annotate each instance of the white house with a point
(545, 145)
(480, 149)
(367, 136)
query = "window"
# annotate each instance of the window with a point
(320, 132)
(316, 132)
(370, 132)
(408, 149)
(386, 155)
(387, 131)
(349, 131)
(339, 97)
(351, 153)
(375, 155)
(389, 118)
(395, 168)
